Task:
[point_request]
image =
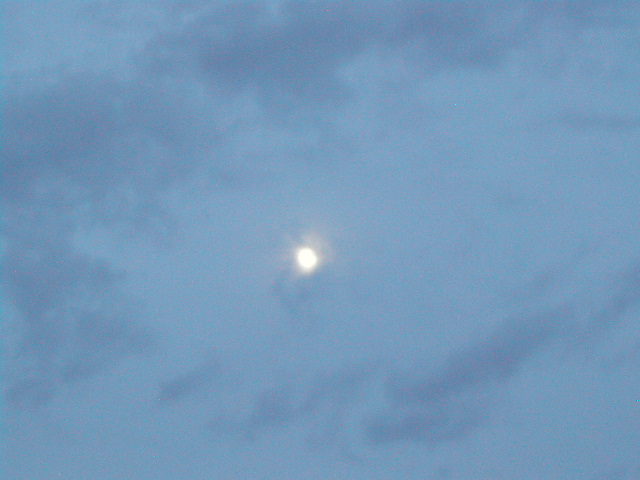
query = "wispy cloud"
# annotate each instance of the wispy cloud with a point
(447, 403)
(188, 383)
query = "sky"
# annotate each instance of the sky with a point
(467, 175)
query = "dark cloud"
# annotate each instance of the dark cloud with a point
(188, 383)
(29, 392)
(93, 134)
(303, 297)
(41, 282)
(429, 426)
(297, 294)
(449, 402)
(292, 58)
(445, 403)
(296, 52)
(71, 320)
(105, 335)
(494, 360)
(82, 150)
(69, 315)
(320, 405)
(273, 407)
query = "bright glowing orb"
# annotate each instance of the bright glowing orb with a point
(307, 259)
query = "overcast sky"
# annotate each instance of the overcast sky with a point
(467, 173)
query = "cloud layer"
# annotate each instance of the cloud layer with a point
(160, 165)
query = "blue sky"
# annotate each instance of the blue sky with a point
(467, 173)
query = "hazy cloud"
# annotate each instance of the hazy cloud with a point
(294, 51)
(187, 383)
(495, 359)
(87, 149)
(447, 403)
(600, 121)
(273, 407)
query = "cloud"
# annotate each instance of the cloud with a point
(451, 401)
(93, 134)
(29, 392)
(431, 405)
(429, 426)
(295, 52)
(187, 383)
(84, 150)
(622, 297)
(319, 404)
(300, 295)
(589, 121)
(493, 360)
(272, 407)
(448, 402)
(105, 335)
(71, 318)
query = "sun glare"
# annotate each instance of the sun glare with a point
(307, 259)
